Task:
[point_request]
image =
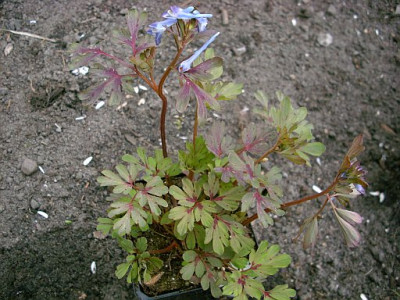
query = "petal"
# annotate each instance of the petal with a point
(351, 235)
(202, 24)
(349, 216)
(185, 65)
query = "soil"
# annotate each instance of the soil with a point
(350, 86)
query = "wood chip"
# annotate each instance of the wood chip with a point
(225, 16)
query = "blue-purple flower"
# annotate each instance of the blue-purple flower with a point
(172, 16)
(186, 64)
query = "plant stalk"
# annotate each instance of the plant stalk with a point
(160, 93)
(292, 203)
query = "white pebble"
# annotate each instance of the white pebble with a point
(183, 138)
(41, 169)
(316, 189)
(381, 197)
(136, 89)
(58, 129)
(142, 101)
(43, 214)
(377, 31)
(355, 17)
(142, 87)
(122, 105)
(386, 230)
(245, 109)
(87, 160)
(80, 118)
(363, 297)
(80, 71)
(83, 70)
(375, 194)
(100, 104)
(318, 161)
(216, 115)
(294, 22)
(93, 267)
(32, 22)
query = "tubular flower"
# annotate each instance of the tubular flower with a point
(185, 65)
(174, 14)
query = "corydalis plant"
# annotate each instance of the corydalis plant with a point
(204, 202)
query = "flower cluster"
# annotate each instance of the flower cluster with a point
(172, 16)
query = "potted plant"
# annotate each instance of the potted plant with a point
(184, 222)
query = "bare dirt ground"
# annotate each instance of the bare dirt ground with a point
(350, 86)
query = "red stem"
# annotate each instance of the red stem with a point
(292, 203)
(173, 245)
(269, 151)
(160, 93)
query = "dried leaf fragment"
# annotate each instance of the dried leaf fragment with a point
(154, 279)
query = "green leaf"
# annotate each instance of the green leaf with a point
(123, 172)
(315, 149)
(240, 262)
(105, 225)
(191, 240)
(125, 244)
(195, 159)
(122, 269)
(186, 218)
(109, 179)
(229, 91)
(165, 220)
(187, 271)
(219, 236)
(200, 269)
(123, 225)
(281, 292)
(189, 255)
(310, 233)
(154, 264)
(141, 244)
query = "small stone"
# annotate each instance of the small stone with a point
(397, 12)
(34, 204)
(29, 166)
(325, 39)
(331, 10)
(240, 51)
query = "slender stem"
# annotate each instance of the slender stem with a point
(323, 206)
(195, 126)
(173, 245)
(292, 203)
(269, 151)
(160, 93)
(150, 83)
